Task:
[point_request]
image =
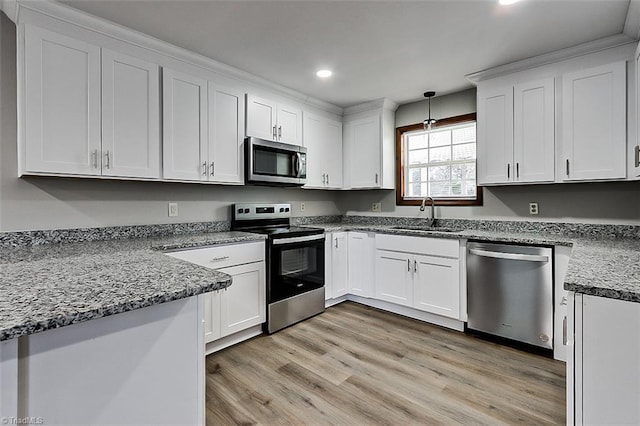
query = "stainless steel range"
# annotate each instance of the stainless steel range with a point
(295, 262)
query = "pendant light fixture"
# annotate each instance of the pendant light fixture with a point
(429, 122)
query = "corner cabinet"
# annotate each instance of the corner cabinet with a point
(369, 145)
(270, 120)
(202, 129)
(88, 111)
(323, 139)
(240, 306)
(516, 139)
(594, 123)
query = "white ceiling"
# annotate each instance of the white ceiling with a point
(393, 49)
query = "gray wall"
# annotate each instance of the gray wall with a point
(48, 203)
(610, 202)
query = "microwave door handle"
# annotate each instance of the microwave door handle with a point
(297, 164)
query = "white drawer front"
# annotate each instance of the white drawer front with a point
(419, 245)
(224, 255)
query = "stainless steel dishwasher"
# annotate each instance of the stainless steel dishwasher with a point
(510, 292)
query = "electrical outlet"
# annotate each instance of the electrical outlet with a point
(173, 209)
(533, 208)
(376, 207)
(301, 207)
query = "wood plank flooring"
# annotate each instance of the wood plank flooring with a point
(358, 365)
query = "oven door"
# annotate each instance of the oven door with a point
(296, 265)
(275, 163)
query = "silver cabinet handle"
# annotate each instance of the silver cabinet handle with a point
(274, 133)
(376, 178)
(563, 302)
(212, 169)
(218, 259)
(327, 178)
(204, 168)
(336, 242)
(415, 266)
(567, 165)
(95, 158)
(279, 132)
(509, 256)
(637, 152)
(508, 170)
(408, 265)
(564, 331)
(108, 159)
(517, 170)
(324, 178)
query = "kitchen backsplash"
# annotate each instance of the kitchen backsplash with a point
(32, 238)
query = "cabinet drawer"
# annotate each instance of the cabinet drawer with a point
(419, 245)
(224, 255)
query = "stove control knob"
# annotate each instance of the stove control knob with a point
(239, 211)
(246, 210)
(286, 209)
(281, 209)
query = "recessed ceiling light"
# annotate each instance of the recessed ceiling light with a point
(324, 73)
(507, 2)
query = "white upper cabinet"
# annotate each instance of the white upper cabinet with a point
(131, 116)
(495, 134)
(516, 131)
(534, 131)
(369, 145)
(323, 139)
(62, 104)
(184, 126)
(594, 123)
(269, 120)
(226, 122)
(70, 128)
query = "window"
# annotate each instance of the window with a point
(440, 163)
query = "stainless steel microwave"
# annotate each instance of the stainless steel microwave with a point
(274, 163)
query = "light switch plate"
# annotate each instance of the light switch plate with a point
(533, 208)
(173, 209)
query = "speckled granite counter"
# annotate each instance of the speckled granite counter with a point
(54, 285)
(606, 266)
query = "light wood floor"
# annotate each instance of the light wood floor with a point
(358, 365)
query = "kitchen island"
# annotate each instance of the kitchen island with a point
(105, 332)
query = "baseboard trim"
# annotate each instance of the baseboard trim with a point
(225, 342)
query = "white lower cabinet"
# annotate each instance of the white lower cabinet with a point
(422, 273)
(336, 268)
(242, 305)
(361, 255)
(603, 378)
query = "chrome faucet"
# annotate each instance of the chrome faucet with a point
(432, 219)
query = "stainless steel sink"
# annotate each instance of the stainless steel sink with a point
(426, 228)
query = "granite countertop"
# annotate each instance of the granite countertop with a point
(604, 267)
(54, 285)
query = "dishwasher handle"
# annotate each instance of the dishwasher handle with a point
(509, 256)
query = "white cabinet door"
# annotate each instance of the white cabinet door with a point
(608, 345)
(323, 140)
(243, 303)
(226, 124)
(495, 134)
(436, 285)
(339, 264)
(393, 281)
(363, 141)
(534, 131)
(130, 116)
(261, 118)
(636, 148)
(62, 104)
(594, 123)
(184, 126)
(361, 264)
(211, 316)
(289, 120)
(314, 134)
(328, 266)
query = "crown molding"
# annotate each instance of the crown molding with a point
(632, 23)
(382, 103)
(107, 28)
(552, 57)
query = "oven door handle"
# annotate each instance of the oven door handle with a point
(281, 241)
